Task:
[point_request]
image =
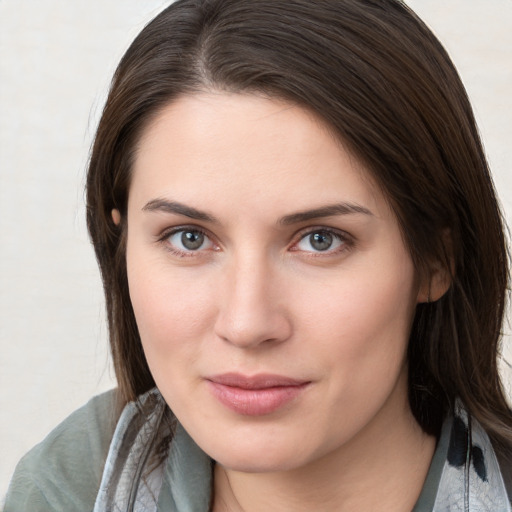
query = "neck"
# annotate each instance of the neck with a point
(383, 468)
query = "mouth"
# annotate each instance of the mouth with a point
(255, 395)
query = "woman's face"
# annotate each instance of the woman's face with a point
(271, 286)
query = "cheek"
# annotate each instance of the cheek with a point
(167, 306)
(365, 301)
(172, 333)
(361, 338)
(361, 324)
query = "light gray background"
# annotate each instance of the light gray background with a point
(56, 60)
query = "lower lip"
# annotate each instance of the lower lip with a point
(255, 402)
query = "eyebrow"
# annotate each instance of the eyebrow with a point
(325, 211)
(164, 205)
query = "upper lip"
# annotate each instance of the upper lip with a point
(260, 381)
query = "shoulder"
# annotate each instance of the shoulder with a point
(63, 472)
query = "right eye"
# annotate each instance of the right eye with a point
(184, 241)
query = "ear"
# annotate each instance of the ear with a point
(116, 216)
(435, 285)
(438, 278)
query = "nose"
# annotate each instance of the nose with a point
(252, 308)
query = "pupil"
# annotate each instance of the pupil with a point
(321, 241)
(192, 240)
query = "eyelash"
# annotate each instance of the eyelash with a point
(164, 239)
(346, 240)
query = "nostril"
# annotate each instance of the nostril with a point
(254, 329)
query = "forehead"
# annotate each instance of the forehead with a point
(246, 146)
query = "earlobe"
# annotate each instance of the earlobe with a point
(435, 286)
(116, 216)
(439, 277)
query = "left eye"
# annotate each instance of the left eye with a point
(320, 241)
(188, 240)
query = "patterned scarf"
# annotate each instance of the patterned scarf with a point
(470, 480)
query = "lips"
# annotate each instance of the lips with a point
(255, 395)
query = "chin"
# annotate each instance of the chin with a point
(257, 454)
(261, 461)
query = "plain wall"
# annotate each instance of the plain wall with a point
(56, 60)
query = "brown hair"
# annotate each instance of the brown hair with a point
(381, 80)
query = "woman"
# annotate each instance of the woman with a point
(305, 273)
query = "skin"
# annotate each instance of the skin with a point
(258, 296)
